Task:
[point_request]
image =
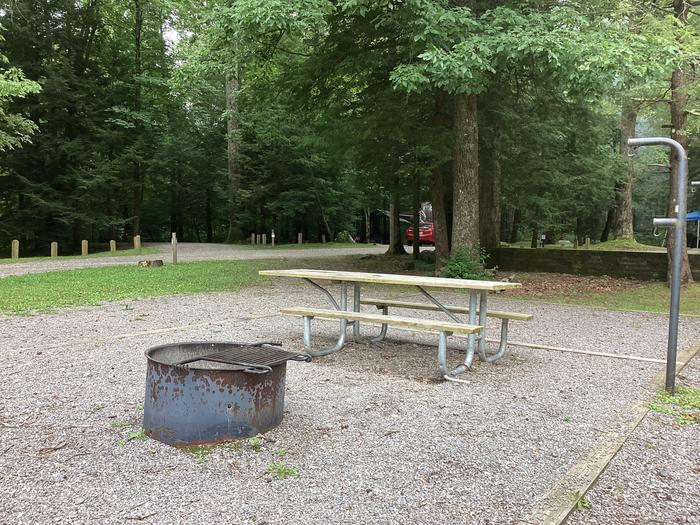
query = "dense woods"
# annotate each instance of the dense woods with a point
(217, 119)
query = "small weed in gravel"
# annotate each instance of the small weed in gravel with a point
(136, 435)
(255, 443)
(281, 470)
(582, 503)
(201, 454)
(684, 406)
(118, 424)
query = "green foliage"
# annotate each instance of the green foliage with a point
(684, 405)
(281, 470)
(136, 435)
(255, 443)
(582, 503)
(468, 263)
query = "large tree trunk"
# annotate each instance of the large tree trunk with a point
(233, 147)
(437, 190)
(465, 169)
(208, 218)
(137, 189)
(679, 102)
(489, 198)
(395, 240)
(624, 227)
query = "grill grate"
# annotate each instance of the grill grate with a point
(259, 355)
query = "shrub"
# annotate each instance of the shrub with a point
(468, 263)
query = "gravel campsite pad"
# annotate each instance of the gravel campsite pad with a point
(371, 434)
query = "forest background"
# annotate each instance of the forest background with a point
(220, 118)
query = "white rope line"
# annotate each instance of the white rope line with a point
(584, 352)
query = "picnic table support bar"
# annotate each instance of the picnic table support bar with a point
(356, 334)
(343, 307)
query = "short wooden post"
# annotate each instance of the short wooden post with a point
(252, 238)
(137, 242)
(323, 239)
(54, 249)
(576, 243)
(300, 238)
(272, 236)
(113, 247)
(264, 239)
(173, 242)
(258, 239)
(588, 242)
(84, 248)
(15, 249)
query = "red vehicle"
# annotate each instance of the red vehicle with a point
(426, 234)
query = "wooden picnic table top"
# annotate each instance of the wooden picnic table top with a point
(394, 279)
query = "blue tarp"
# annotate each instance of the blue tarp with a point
(693, 216)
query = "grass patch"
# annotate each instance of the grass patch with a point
(44, 292)
(97, 255)
(651, 297)
(281, 470)
(684, 406)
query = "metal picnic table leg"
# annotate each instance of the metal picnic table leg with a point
(503, 344)
(343, 306)
(442, 342)
(356, 334)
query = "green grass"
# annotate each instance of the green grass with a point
(684, 406)
(652, 297)
(42, 292)
(96, 255)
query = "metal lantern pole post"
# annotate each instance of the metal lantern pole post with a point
(678, 224)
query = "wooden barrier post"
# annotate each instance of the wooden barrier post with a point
(84, 248)
(264, 239)
(54, 249)
(272, 236)
(252, 238)
(113, 247)
(588, 243)
(323, 239)
(173, 242)
(15, 249)
(576, 243)
(137, 242)
(258, 239)
(300, 238)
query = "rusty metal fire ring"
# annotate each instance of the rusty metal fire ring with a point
(211, 392)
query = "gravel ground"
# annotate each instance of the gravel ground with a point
(188, 252)
(374, 433)
(655, 478)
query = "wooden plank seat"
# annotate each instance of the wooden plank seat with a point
(386, 303)
(442, 328)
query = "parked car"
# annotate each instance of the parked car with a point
(426, 234)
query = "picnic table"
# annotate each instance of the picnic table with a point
(474, 327)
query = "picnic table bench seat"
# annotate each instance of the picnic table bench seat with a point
(427, 325)
(498, 314)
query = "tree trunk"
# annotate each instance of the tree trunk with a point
(679, 117)
(605, 235)
(137, 190)
(516, 225)
(489, 198)
(233, 147)
(533, 239)
(209, 227)
(416, 216)
(437, 190)
(395, 240)
(368, 226)
(624, 227)
(465, 169)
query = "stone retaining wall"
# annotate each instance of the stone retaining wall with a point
(637, 265)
